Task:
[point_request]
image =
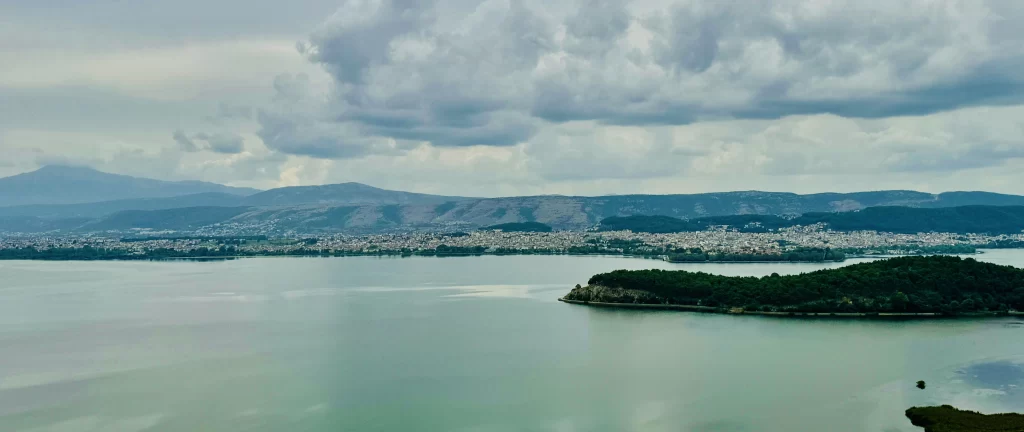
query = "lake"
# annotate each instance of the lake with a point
(459, 344)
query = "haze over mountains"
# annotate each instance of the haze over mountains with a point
(59, 201)
(71, 185)
(58, 192)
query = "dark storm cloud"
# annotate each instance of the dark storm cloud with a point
(988, 86)
(486, 130)
(599, 21)
(304, 136)
(691, 35)
(359, 34)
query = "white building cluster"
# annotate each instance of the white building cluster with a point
(712, 241)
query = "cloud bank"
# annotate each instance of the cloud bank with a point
(521, 96)
(494, 73)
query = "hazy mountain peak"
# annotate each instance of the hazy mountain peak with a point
(68, 184)
(65, 170)
(348, 193)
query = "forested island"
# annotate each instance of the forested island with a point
(927, 285)
(949, 419)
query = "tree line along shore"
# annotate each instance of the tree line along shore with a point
(946, 418)
(902, 286)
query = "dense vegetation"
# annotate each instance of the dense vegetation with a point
(521, 227)
(949, 419)
(942, 284)
(648, 224)
(1006, 244)
(966, 219)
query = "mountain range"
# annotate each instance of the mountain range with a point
(85, 200)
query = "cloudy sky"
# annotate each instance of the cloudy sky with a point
(508, 97)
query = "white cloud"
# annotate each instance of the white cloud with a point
(819, 145)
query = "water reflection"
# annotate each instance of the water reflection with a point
(461, 344)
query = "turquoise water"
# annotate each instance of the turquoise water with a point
(457, 344)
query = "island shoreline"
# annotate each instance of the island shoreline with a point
(844, 315)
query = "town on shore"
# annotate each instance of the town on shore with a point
(802, 243)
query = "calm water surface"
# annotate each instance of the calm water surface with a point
(458, 344)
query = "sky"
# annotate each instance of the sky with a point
(521, 97)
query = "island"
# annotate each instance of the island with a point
(903, 286)
(949, 419)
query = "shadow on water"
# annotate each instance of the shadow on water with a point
(1001, 380)
(989, 386)
(1000, 374)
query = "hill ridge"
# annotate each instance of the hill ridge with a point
(60, 184)
(361, 207)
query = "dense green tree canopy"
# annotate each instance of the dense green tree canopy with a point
(949, 419)
(907, 284)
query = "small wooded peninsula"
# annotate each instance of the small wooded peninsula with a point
(946, 418)
(918, 285)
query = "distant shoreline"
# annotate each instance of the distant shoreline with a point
(41, 256)
(739, 311)
(126, 257)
